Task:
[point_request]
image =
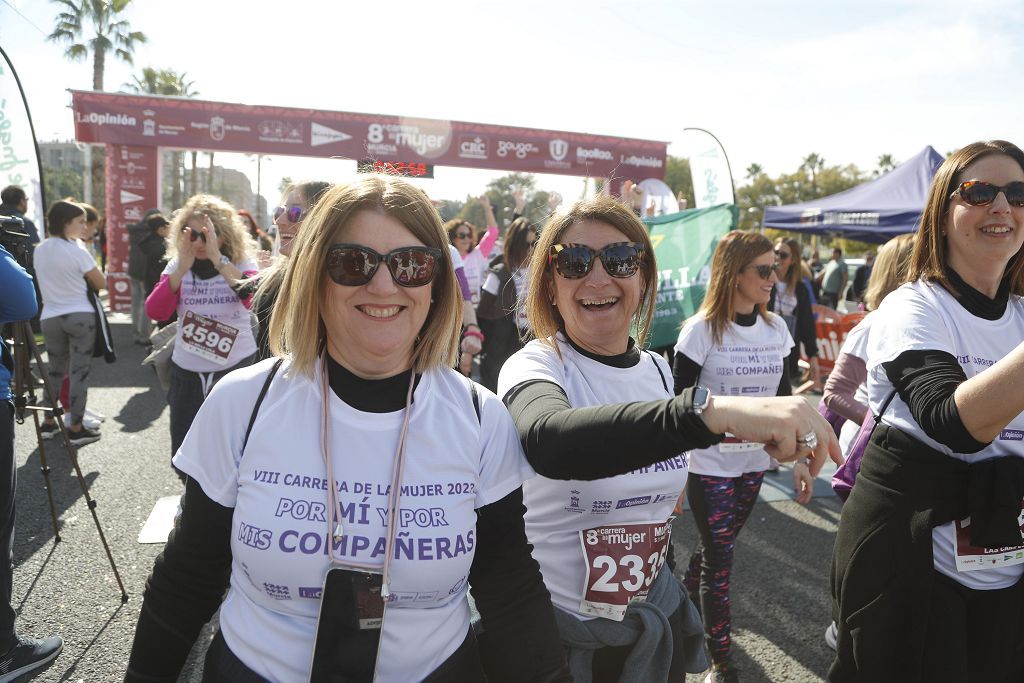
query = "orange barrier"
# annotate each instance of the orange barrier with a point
(832, 328)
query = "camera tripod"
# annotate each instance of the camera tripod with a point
(25, 351)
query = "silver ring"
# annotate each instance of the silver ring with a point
(810, 439)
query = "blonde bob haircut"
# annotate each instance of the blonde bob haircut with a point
(734, 252)
(297, 326)
(541, 311)
(930, 257)
(236, 243)
(892, 263)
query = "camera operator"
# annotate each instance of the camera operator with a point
(20, 655)
(14, 202)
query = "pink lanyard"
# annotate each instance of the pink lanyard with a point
(335, 531)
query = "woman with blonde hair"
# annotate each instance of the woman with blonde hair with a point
(608, 438)
(792, 299)
(209, 251)
(737, 347)
(347, 520)
(928, 562)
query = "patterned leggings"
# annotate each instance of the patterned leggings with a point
(70, 339)
(720, 507)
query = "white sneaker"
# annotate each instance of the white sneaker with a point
(832, 635)
(96, 415)
(89, 421)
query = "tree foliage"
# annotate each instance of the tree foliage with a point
(95, 27)
(59, 182)
(680, 179)
(501, 192)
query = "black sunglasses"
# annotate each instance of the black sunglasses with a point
(294, 213)
(980, 193)
(462, 235)
(783, 255)
(763, 272)
(573, 261)
(353, 265)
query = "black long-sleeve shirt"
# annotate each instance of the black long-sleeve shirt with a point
(190, 576)
(926, 380)
(594, 442)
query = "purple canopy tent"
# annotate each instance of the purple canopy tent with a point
(874, 211)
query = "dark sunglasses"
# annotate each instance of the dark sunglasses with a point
(294, 213)
(195, 234)
(573, 261)
(783, 255)
(980, 193)
(764, 272)
(353, 265)
(462, 235)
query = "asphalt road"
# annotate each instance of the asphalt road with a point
(780, 581)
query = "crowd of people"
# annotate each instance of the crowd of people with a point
(379, 332)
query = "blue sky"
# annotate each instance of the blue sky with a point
(774, 81)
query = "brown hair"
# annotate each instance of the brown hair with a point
(452, 226)
(60, 214)
(734, 252)
(889, 271)
(543, 315)
(516, 250)
(791, 278)
(930, 258)
(296, 325)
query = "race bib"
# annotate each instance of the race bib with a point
(971, 558)
(622, 562)
(732, 444)
(206, 337)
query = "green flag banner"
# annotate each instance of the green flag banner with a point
(683, 245)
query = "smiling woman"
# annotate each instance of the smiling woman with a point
(336, 586)
(942, 478)
(601, 426)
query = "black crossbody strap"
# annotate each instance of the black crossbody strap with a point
(660, 373)
(259, 401)
(476, 400)
(885, 404)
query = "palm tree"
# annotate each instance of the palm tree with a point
(166, 82)
(109, 32)
(886, 163)
(754, 170)
(813, 163)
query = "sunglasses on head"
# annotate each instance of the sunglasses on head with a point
(620, 259)
(980, 193)
(353, 265)
(764, 272)
(294, 213)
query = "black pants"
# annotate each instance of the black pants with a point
(186, 395)
(973, 635)
(8, 487)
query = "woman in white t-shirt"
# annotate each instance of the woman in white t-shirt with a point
(929, 555)
(209, 252)
(462, 235)
(736, 347)
(601, 426)
(65, 268)
(352, 508)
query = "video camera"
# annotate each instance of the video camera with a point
(15, 240)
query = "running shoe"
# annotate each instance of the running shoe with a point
(832, 635)
(724, 674)
(95, 414)
(84, 436)
(88, 420)
(28, 655)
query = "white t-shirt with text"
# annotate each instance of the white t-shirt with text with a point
(747, 362)
(919, 317)
(454, 464)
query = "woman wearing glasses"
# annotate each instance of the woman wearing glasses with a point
(502, 310)
(736, 347)
(462, 235)
(208, 251)
(297, 201)
(928, 559)
(792, 299)
(348, 520)
(607, 436)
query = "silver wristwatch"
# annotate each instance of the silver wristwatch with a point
(701, 399)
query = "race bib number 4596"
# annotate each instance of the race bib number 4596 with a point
(206, 337)
(622, 562)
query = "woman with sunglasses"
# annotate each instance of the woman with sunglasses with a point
(737, 348)
(608, 438)
(209, 251)
(462, 235)
(791, 299)
(928, 559)
(501, 312)
(350, 466)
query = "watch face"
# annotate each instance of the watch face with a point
(701, 398)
